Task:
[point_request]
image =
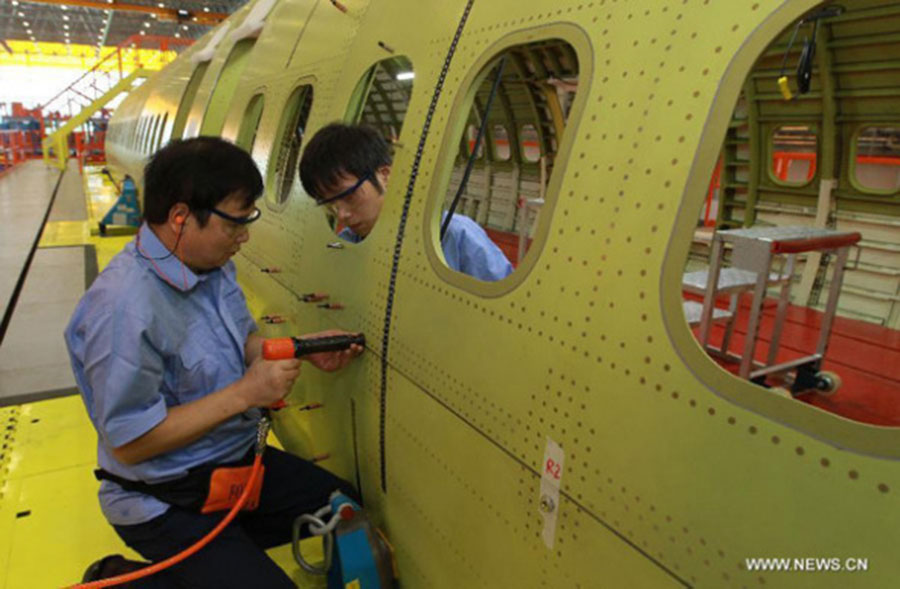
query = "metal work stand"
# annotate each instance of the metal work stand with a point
(753, 251)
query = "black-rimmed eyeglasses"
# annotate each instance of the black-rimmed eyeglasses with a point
(238, 220)
(345, 193)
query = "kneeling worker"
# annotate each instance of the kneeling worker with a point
(347, 167)
(170, 370)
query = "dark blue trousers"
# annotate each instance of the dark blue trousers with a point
(236, 558)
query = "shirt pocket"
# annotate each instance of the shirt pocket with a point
(236, 307)
(195, 374)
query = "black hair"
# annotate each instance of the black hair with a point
(338, 150)
(200, 172)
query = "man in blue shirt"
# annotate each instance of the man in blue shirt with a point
(347, 167)
(169, 366)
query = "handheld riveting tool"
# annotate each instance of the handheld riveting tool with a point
(285, 348)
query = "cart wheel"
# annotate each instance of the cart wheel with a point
(828, 383)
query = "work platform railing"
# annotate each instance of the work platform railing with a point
(120, 70)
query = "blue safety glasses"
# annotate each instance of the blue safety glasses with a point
(345, 193)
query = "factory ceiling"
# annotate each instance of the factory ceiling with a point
(108, 22)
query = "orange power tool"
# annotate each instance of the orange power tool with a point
(285, 348)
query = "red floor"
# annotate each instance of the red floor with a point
(865, 356)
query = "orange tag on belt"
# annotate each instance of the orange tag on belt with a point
(226, 486)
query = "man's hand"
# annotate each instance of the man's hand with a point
(268, 381)
(331, 361)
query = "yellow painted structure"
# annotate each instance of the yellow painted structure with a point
(675, 471)
(82, 57)
(56, 145)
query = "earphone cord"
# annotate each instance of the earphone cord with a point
(171, 253)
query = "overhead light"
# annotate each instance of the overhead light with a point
(147, 25)
(143, 33)
(405, 76)
(15, 3)
(25, 23)
(185, 27)
(177, 35)
(28, 31)
(206, 9)
(161, 5)
(32, 38)
(22, 14)
(66, 27)
(65, 17)
(152, 15)
(64, 7)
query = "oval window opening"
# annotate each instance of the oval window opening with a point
(378, 106)
(877, 165)
(495, 198)
(291, 131)
(791, 279)
(794, 149)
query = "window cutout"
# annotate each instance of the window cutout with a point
(763, 340)
(498, 205)
(531, 147)
(290, 134)
(501, 144)
(151, 134)
(217, 107)
(187, 100)
(381, 101)
(877, 165)
(162, 131)
(250, 124)
(794, 149)
(381, 98)
(471, 135)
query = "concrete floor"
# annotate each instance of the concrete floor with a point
(33, 360)
(25, 193)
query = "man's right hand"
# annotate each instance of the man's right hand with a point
(268, 381)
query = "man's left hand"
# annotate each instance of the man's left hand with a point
(331, 361)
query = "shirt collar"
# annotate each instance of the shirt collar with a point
(162, 262)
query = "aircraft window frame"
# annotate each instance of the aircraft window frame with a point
(145, 133)
(139, 132)
(151, 134)
(495, 139)
(187, 100)
(770, 153)
(829, 428)
(229, 76)
(524, 150)
(246, 123)
(161, 131)
(356, 111)
(854, 154)
(359, 100)
(277, 194)
(469, 142)
(458, 119)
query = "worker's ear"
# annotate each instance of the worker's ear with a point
(178, 216)
(383, 174)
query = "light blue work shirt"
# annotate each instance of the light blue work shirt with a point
(467, 249)
(149, 335)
